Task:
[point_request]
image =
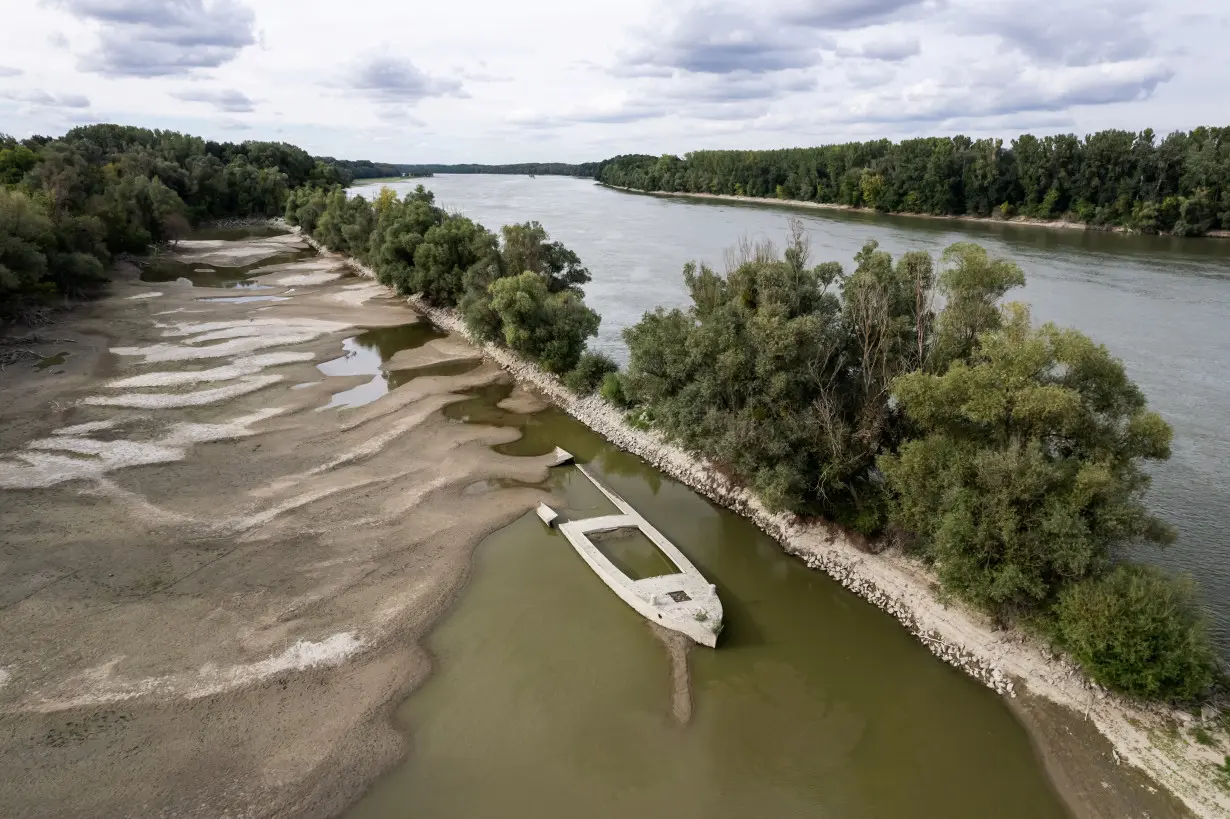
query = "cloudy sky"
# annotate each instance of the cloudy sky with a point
(499, 81)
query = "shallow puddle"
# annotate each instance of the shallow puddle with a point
(245, 299)
(52, 360)
(237, 233)
(169, 269)
(552, 698)
(366, 353)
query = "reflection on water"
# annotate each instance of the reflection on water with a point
(552, 698)
(1159, 303)
(169, 269)
(51, 360)
(245, 299)
(366, 354)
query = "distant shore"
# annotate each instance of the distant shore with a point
(360, 183)
(1027, 221)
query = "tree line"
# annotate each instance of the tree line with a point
(519, 288)
(1008, 456)
(1179, 184)
(69, 205)
(349, 170)
(584, 169)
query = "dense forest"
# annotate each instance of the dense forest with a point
(349, 170)
(1180, 184)
(1008, 456)
(68, 205)
(585, 169)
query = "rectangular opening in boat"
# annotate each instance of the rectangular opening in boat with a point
(633, 553)
(678, 596)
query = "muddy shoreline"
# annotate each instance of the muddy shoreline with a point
(1020, 221)
(1009, 662)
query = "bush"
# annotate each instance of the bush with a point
(1138, 631)
(589, 373)
(612, 390)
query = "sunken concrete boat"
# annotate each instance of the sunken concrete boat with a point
(683, 601)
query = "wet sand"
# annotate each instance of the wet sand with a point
(211, 593)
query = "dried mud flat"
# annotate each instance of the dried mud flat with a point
(210, 590)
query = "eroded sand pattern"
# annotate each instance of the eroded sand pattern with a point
(192, 549)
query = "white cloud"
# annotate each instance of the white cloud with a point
(493, 81)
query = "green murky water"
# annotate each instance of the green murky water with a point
(367, 353)
(51, 361)
(552, 698)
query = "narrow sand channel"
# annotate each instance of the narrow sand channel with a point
(215, 592)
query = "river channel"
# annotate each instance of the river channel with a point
(1158, 303)
(552, 698)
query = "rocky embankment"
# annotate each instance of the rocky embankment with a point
(1006, 661)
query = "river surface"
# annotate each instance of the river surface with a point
(1160, 304)
(552, 698)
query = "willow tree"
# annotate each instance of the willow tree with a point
(1028, 466)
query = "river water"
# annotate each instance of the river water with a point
(1159, 304)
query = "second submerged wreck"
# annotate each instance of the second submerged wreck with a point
(682, 601)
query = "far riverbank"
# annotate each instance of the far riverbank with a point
(1061, 224)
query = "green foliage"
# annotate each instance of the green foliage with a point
(612, 390)
(1138, 631)
(782, 378)
(1100, 179)
(447, 252)
(1026, 469)
(104, 189)
(972, 283)
(525, 248)
(589, 373)
(550, 328)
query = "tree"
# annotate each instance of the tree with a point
(972, 283)
(527, 247)
(447, 251)
(1026, 471)
(1138, 631)
(25, 232)
(550, 328)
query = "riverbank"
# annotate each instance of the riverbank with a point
(362, 183)
(1061, 224)
(1149, 738)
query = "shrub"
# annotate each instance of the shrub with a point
(612, 390)
(1138, 631)
(591, 370)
